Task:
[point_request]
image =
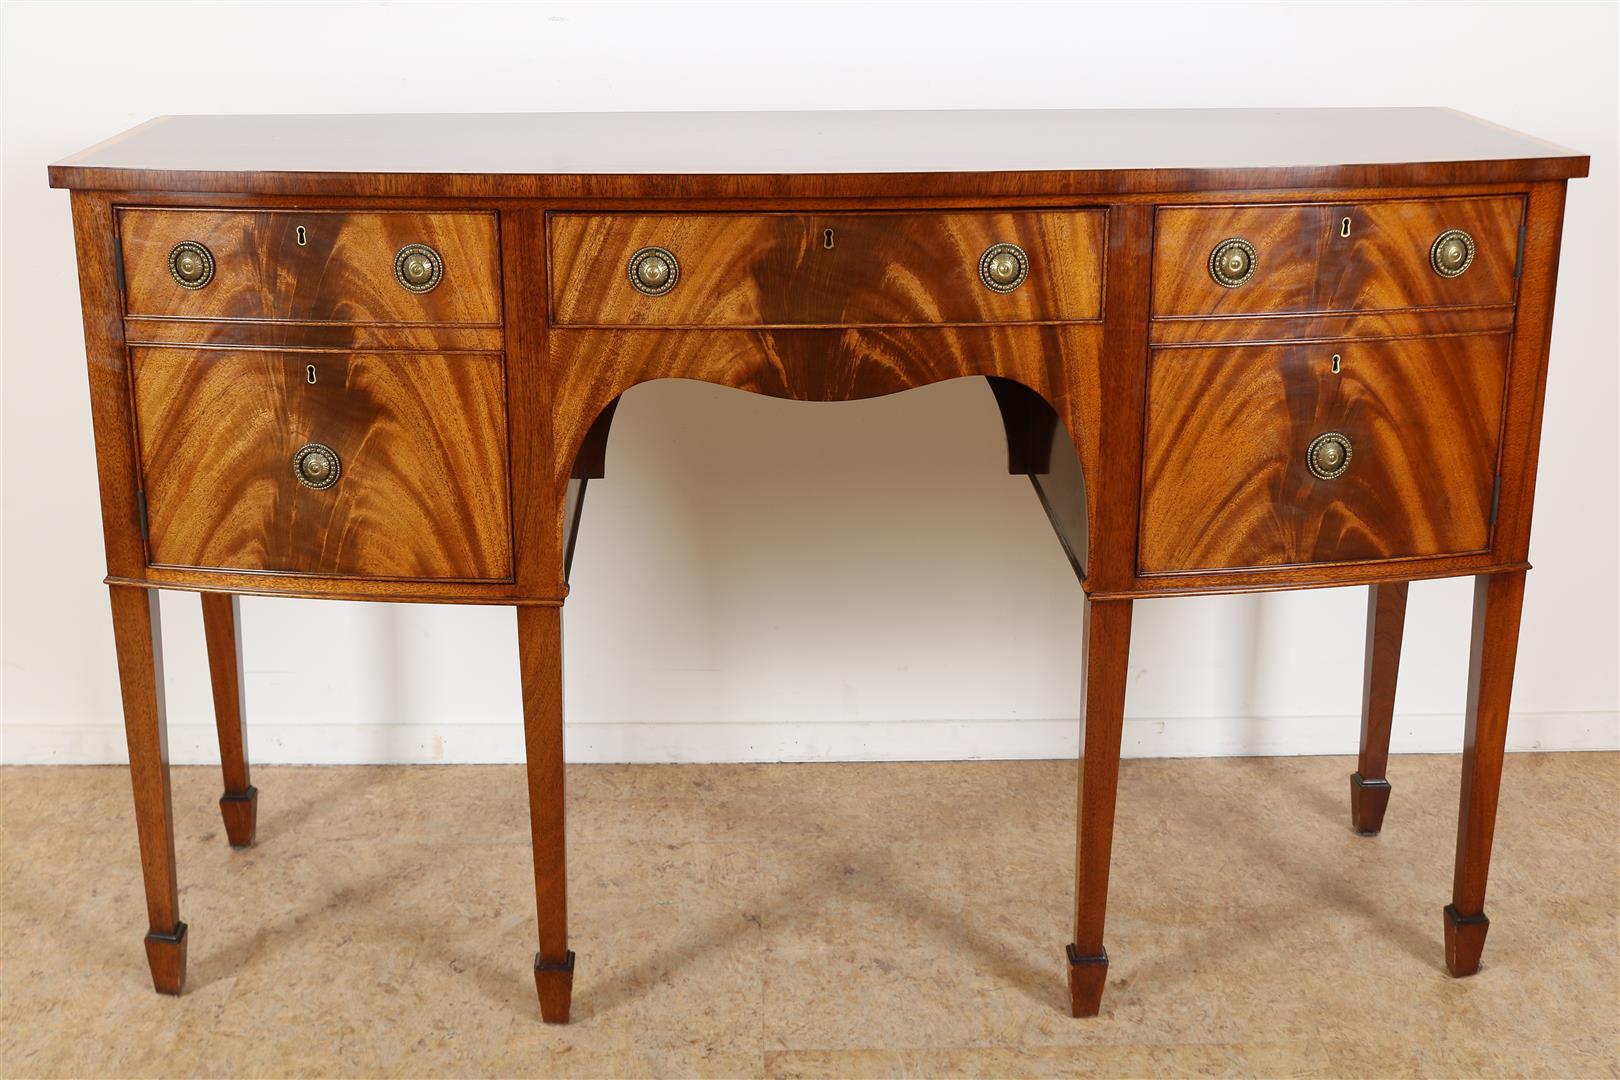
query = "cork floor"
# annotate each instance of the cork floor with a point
(815, 920)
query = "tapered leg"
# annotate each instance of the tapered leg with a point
(1107, 646)
(137, 634)
(239, 806)
(1369, 786)
(1498, 599)
(540, 654)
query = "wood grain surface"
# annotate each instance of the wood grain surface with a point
(779, 270)
(1527, 370)
(330, 336)
(344, 272)
(222, 638)
(865, 153)
(138, 638)
(1262, 329)
(1493, 649)
(1303, 264)
(1226, 483)
(1106, 648)
(540, 659)
(421, 439)
(107, 363)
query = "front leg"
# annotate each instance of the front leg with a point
(1107, 645)
(540, 656)
(137, 634)
(1498, 599)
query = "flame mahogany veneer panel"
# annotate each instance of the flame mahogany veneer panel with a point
(422, 490)
(1305, 265)
(778, 270)
(1225, 481)
(342, 273)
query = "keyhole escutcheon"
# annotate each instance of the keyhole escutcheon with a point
(309, 371)
(827, 239)
(1336, 366)
(1344, 227)
(303, 237)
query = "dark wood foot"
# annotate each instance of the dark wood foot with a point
(166, 956)
(1386, 623)
(1087, 977)
(554, 980)
(1465, 941)
(1368, 800)
(241, 813)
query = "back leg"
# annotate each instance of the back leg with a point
(239, 806)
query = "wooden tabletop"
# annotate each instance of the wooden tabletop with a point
(700, 154)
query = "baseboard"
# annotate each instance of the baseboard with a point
(481, 743)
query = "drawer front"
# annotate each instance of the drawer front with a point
(420, 446)
(826, 269)
(1227, 484)
(312, 266)
(1303, 262)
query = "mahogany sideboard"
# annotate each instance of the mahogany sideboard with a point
(377, 358)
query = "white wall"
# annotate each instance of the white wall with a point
(765, 579)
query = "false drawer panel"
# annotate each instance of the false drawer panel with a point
(346, 464)
(1323, 453)
(826, 269)
(312, 266)
(1326, 257)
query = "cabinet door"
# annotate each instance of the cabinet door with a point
(415, 484)
(1268, 456)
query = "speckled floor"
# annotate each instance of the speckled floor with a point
(815, 920)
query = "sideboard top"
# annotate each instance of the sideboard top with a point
(805, 154)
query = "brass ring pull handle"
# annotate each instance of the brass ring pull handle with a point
(1328, 455)
(191, 264)
(1452, 253)
(316, 465)
(654, 271)
(418, 268)
(1233, 262)
(1003, 267)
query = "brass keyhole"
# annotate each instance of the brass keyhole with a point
(827, 239)
(1338, 364)
(303, 238)
(1344, 227)
(309, 372)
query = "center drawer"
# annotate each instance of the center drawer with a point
(1325, 452)
(388, 465)
(825, 269)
